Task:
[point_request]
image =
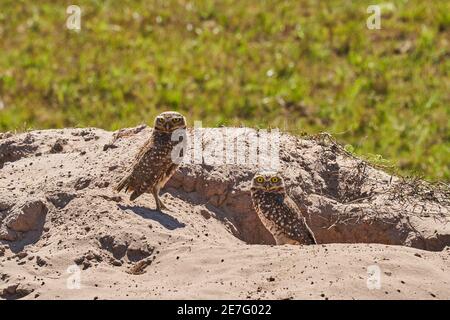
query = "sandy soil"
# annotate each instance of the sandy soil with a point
(61, 226)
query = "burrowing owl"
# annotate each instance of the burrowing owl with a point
(155, 162)
(279, 213)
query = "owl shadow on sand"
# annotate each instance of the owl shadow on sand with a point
(162, 218)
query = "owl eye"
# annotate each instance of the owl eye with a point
(259, 179)
(274, 179)
(160, 120)
(176, 120)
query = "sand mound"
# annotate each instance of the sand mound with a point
(62, 225)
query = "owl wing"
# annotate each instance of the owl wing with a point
(135, 172)
(305, 232)
(142, 151)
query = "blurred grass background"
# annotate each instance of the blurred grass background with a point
(301, 65)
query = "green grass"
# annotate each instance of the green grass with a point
(304, 66)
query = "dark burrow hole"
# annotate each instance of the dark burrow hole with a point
(330, 225)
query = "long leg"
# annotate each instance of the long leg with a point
(311, 238)
(159, 204)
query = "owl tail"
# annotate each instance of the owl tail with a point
(124, 183)
(134, 195)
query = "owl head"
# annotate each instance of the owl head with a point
(268, 181)
(170, 121)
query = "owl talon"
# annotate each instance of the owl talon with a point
(161, 206)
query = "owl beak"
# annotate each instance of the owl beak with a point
(167, 126)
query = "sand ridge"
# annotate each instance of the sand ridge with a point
(61, 225)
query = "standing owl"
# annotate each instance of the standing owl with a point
(157, 160)
(279, 213)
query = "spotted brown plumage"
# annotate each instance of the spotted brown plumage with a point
(279, 213)
(153, 165)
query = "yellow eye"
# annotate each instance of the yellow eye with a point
(176, 120)
(274, 179)
(259, 179)
(160, 120)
